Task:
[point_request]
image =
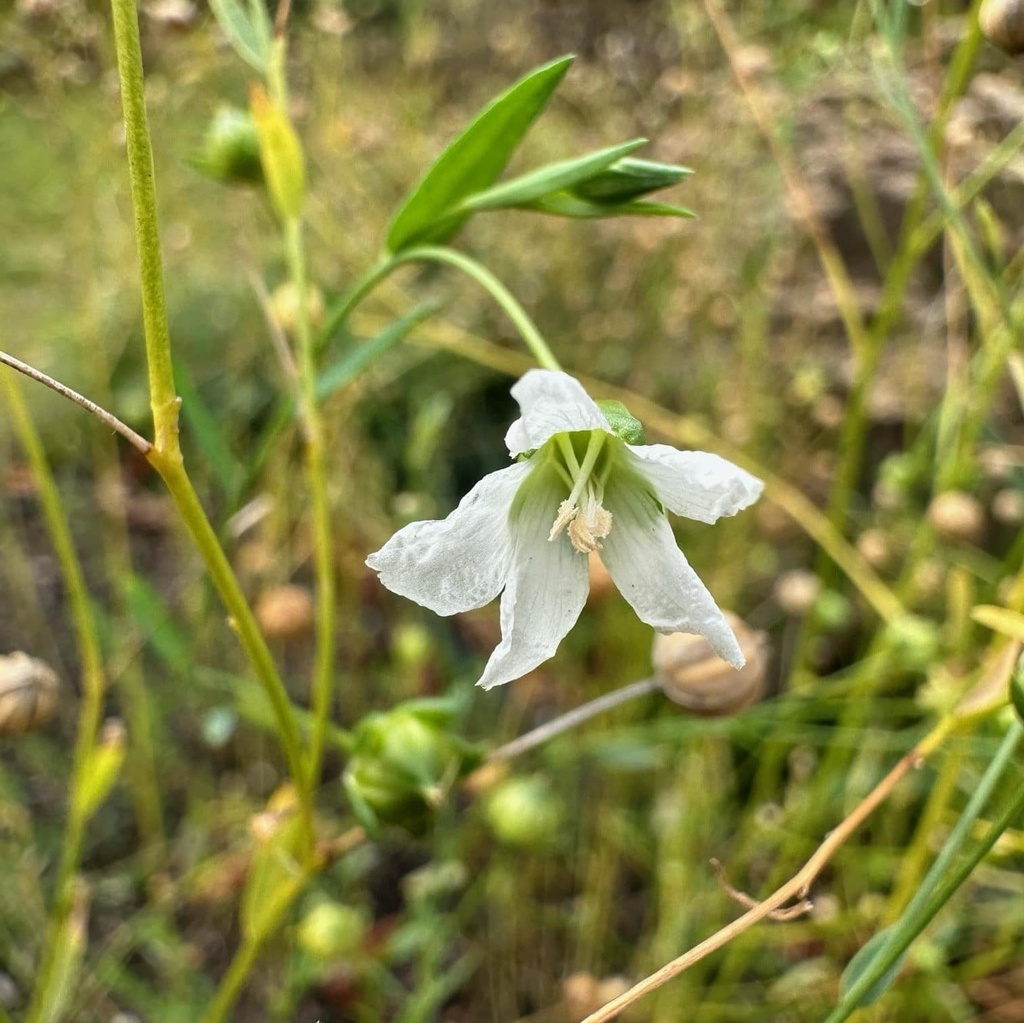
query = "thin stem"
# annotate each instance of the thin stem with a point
(510, 305)
(576, 716)
(101, 414)
(316, 477)
(245, 958)
(162, 394)
(93, 688)
(242, 620)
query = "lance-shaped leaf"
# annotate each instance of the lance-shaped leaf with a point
(565, 204)
(474, 160)
(248, 31)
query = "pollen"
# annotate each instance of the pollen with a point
(586, 527)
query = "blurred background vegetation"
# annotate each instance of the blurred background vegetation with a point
(593, 868)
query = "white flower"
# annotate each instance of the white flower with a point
(526, 531)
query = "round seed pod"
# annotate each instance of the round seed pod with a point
(28, 693)
(956, 515)
(695, 677)
(285, 612)
(1002, 24)
(797, 590)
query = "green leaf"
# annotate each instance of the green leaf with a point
(205, 429)
(552, 177)
(565, 204)
(249, 33)
(859, 964)
(473, 161)
(360, 357)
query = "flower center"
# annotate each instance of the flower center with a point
(582, 514)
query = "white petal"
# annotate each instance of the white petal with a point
(696, 484)
(552, 403)
(654, 576)
(546, 591)
(461, 562)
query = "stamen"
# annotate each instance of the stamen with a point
(586, 530)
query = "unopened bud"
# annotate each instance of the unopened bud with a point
(525, 813)
(332, 931)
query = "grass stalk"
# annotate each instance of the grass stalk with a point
(93, 689)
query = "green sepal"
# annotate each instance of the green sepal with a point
(624, 424)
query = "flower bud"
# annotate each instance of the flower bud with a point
(1008, 507)
(280, 153)
(28, 693)
(874, 547)
(695, 677)
(525, 813)
(402, 764)
(628, 179)
(1002, 24)
(331, 931)
(956, 515)
(231, 149)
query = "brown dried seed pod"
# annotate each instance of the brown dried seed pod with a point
(956, 515)
(28, 693)
(694, 676)
(1002, 23)
(285, 612)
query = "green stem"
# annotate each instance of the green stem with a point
(165, 455)
(93, 688)
(162, 394)
(509, 304)
(939, 885)
(245, 958)
(242, 620)
(316, 476)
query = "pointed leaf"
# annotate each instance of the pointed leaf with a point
(361, 356)
(250, 34)
(474, 160)
(565, 204)
(550, 178)
(859, 964)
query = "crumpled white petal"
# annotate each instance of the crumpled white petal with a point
(654, 576)
(461, 562)
(695, 484)
(552, 402)
(546, 590)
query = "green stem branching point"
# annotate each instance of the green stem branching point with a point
(509, 304)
